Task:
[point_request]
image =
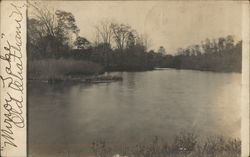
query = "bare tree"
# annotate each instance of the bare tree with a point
(108, 32)
(46, 18)
(104, 32)
(121, 33)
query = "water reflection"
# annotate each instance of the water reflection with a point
(70, 116)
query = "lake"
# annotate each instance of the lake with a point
(66, 118)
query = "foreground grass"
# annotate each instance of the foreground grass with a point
(61, 69)
(184, 145)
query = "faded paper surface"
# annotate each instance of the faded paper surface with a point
(154, 20)
(13, 79)
(245, 80)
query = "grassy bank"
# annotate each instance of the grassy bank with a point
(61, 69)
(183, 145)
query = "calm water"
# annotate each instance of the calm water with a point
(69, 117)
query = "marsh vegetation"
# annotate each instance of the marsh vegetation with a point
(54, 37)
(184, 145)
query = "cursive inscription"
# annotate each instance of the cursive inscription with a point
(11, 78)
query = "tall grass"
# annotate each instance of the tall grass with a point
(183, 145)
(61, 69)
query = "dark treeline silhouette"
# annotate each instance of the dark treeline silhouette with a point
(118, 47)
(221, 55)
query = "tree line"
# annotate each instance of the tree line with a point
(222, 55)
(119, 47)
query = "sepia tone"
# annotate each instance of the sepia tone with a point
(134, 78)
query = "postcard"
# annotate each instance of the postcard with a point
(124, 78)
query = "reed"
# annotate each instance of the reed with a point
(183, 145)
(61, 69)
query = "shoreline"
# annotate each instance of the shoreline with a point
(84, 78)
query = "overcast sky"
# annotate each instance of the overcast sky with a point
(167, 23)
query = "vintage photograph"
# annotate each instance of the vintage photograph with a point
(134, 78)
